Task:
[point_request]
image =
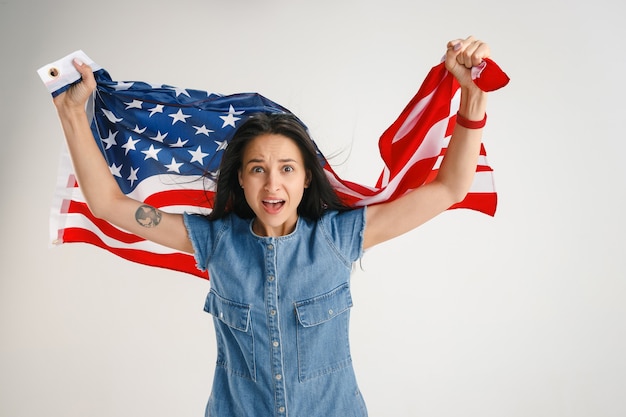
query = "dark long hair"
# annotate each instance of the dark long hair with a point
(229, 197)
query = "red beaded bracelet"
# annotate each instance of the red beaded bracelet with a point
(470, 124)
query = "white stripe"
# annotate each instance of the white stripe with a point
(179, 209)
(431, 147)
(61, 194)
(413, 117)
(79, 221)
(145, 189)
(167, 182)
(157, 183)
(483, 183)
(434, 140)
(385, 175)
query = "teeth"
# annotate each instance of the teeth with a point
(273, 201)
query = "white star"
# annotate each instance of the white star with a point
(159, 137)
(179, 143)
(115, 170)
(129, 145)
(180, 91)
(231, 119)
(221, 145)
(133, 176)
(156, 109)
(140, 131)
(110, 140)
(121, 85)
(179, 116)
(151, 153)
(198, 155)
(135, 104)
(202, 130)
(109, 115)
(174, 166)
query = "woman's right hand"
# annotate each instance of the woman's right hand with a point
(78, 93)
(100, 189)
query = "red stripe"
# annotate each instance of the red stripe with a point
(397, 154)
(434, 97)
(105, 227)
(175, 261)
(482, 152)
(184, 197)
(196, 198)
(483, 202)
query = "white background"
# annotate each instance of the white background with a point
(519, 315)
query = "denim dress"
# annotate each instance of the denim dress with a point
(281, 309)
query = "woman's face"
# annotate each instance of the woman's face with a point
(273, 177)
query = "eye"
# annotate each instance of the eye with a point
(288, 168)
(257, 169)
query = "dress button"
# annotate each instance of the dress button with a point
(281, 409)
(279, 377)
(270, 246)
(330, 312)
(272, 312)
(275, 344)
(270, 278)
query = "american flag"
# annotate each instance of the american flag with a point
(163, 146)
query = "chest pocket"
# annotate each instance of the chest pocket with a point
(233, 329)
(322, 333)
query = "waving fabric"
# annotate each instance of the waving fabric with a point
(163, 145)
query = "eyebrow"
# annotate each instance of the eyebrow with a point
(260, 160)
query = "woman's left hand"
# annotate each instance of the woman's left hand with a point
(462, 55)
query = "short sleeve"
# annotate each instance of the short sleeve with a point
(345, 231)
(203, 234)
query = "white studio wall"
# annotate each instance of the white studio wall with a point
(517, 315)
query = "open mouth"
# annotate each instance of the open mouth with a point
(273, 205)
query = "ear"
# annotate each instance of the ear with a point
(307, 180)
(240, 178)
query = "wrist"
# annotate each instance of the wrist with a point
(73, 120)
(473, 103)
(70, 112)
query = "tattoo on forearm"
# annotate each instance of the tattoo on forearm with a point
(148, 216)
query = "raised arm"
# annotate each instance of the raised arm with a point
(101, 191)
(388, 220)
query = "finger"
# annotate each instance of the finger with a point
(85, 72)
(457, 48)
(475, 53)
(453, 48)
(472, 53)
(467, 54)
(453, 44)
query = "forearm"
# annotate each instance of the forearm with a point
(459, 163)
(92, 172)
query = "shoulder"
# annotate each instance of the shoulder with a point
(206, 234)
(344, 230)
(343, 219)
(202, 228)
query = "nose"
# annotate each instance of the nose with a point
(272, 181)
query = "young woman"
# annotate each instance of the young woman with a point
(279, 246)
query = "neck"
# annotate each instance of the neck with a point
(262, 230)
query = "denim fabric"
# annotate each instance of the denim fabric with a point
(281, 309)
